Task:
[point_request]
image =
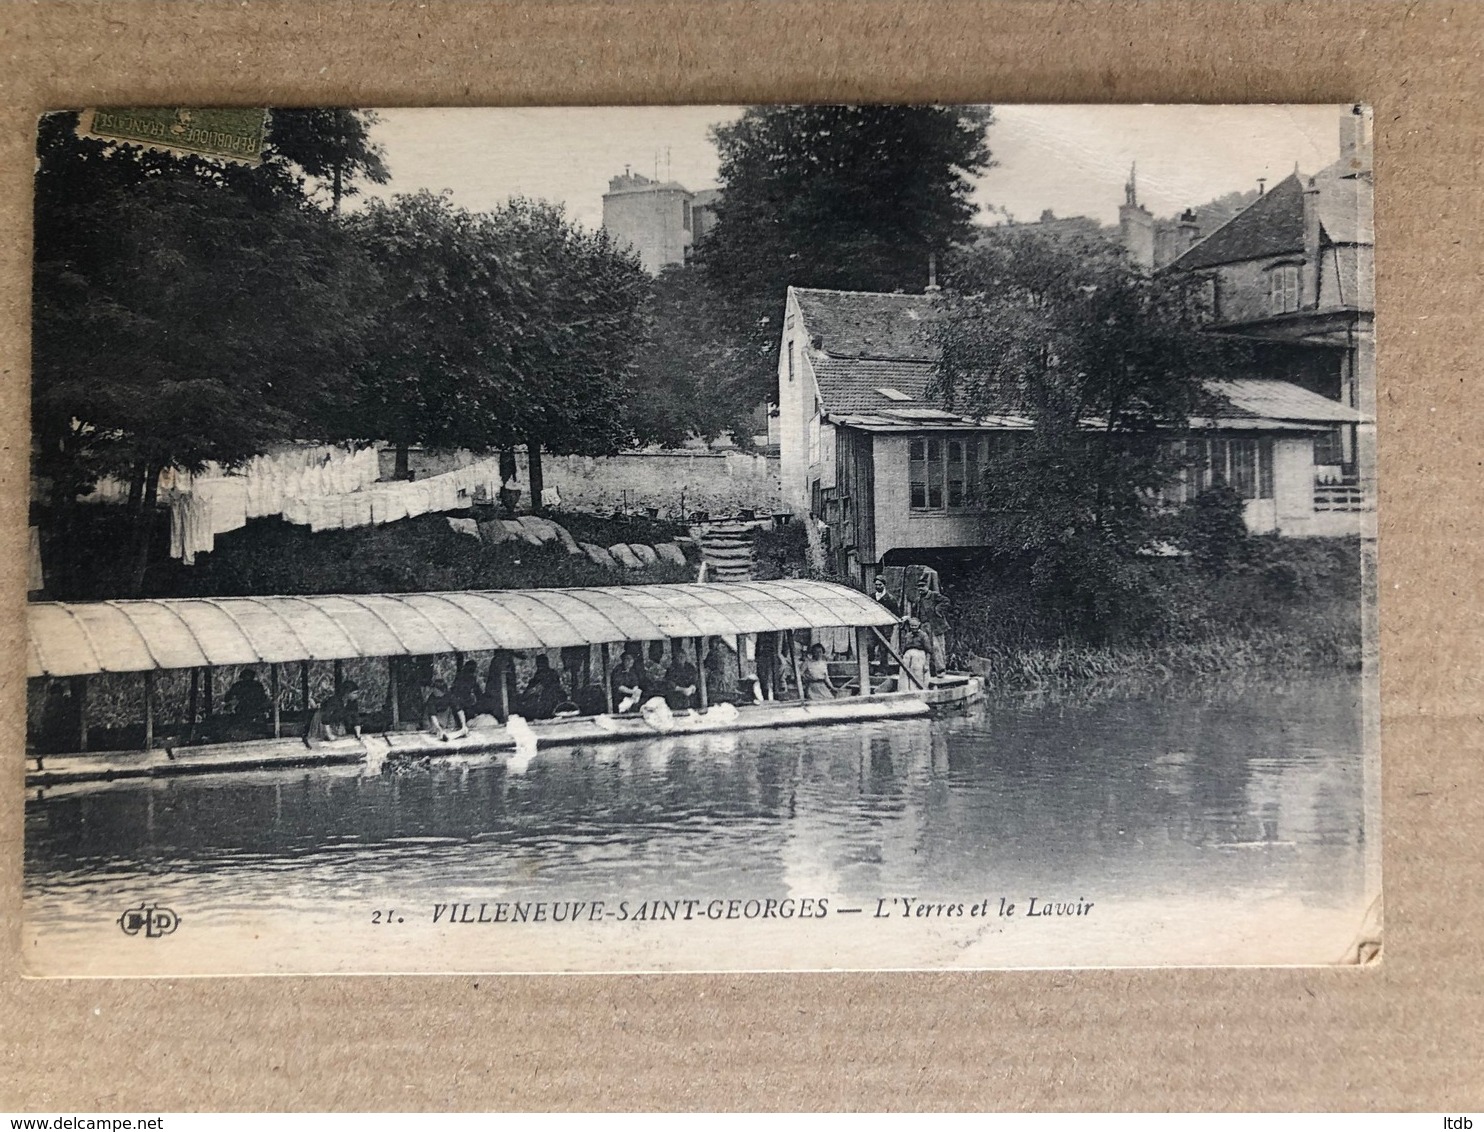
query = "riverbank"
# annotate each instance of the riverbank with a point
(1288, 605)
(269, 556)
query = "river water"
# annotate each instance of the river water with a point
(1220, 824)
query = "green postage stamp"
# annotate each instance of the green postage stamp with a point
(229, 133)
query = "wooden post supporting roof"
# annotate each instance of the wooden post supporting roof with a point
(277, 707)
(80, 696)
(607, 678)
(863, 660)
(701, 673)
(394, 694)
(193, 702)
(304, 688)
(502, 688)
(793, 655)
(896, 656)
(208, 691)
(149, 710)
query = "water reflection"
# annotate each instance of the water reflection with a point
(1225, 793)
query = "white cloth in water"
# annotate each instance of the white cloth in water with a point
(656, 712)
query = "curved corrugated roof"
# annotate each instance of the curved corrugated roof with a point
(137, 636)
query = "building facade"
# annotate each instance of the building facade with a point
(659, 220)
(889, 472)
(1293, 274)
(653, 218)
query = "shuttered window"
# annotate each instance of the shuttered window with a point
(1283, 284)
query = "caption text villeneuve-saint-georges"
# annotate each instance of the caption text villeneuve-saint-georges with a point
(805, 908)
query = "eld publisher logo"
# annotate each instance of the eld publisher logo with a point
(150, 919)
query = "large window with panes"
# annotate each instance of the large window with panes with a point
(946, 472)
(1245, 464)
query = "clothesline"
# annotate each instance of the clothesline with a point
(215, 502)
(322, 487)
(340, 494)
(380, 503)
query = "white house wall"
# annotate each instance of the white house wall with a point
(1293, 480)
(793, 418)
(1290, 511)
(798, 412)
(897, 525)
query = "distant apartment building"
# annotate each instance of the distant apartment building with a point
(659, 220)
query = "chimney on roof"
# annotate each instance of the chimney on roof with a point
(1262, 185)
(932, 287)
(1309, 275)
(1190, 230)
(1355, 139)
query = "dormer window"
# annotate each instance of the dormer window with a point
(1283, 288)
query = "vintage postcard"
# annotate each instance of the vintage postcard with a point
(702, 539)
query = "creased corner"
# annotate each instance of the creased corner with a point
(1365, 948)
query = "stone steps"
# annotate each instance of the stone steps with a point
(726, 548)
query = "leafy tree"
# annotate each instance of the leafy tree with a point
(496, 330)
(1213, 530)
(845, 197)
(331, 145)
(574, 358)
(692, 369)
(1107, 363)
(185, 311)
(438, 363)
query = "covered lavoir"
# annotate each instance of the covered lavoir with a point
(159, 660)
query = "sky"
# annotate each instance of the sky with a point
(1071, 159)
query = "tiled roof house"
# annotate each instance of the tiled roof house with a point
(892, 472)
(1293, 274)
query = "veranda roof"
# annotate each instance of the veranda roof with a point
(66, 639)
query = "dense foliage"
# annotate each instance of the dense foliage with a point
(1107, 364)
(1285, 603)
(190, 311)
(692, 374)
(845, 197)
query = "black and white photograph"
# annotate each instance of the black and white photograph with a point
(702, 538)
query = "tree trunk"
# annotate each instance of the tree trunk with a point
(136, 490)
(335, 190)
(401, 470)
(144, 524)
(538, 482)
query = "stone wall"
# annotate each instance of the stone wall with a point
(676, 483)
(720, 483)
